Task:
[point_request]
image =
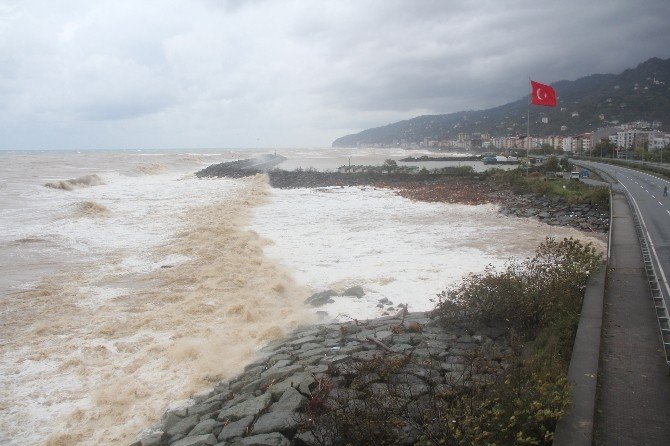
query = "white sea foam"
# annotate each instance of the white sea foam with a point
(108, 321)
(395, 248)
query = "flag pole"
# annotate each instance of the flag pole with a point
(528, 117)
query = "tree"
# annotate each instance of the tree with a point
(605, 148)
(389, 165)
(546, 149)
(551, 165)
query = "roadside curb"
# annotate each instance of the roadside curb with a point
(576, 427)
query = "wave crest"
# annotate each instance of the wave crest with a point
(152, 168)
(174, 333)
(76, 183)
(92, 209)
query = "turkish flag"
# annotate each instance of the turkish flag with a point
(542, 94)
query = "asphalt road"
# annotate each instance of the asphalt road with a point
(647, 193)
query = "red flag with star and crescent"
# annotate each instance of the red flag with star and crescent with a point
(542, 94)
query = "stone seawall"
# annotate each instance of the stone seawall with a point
(269, 403)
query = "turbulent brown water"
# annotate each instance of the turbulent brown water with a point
(92, 209)
(85, 181)
(121, 299)
(119, 361)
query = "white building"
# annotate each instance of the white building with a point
(568, 144)
(658, 140)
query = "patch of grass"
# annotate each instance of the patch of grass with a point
(573, 192)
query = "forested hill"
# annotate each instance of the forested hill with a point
(599, 100)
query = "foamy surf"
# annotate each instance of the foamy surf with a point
(398, 250)
(107, 321)
(91, 209)
(95, 356)
(75, 183)
(152, 168)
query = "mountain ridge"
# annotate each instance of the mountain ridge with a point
(600, 100)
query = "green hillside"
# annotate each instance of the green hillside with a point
(641, 93)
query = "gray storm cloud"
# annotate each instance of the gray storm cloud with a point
(289, 73)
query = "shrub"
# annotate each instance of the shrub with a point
(527, 295)
(515, 398)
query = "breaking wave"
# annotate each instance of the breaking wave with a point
(152, 168)
(75, 183)
(115, 361)
(92, 209)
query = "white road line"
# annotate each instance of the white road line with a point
(651, 243)
(667, 211)
(653, 197)
(660, 203)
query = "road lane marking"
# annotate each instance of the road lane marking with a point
(667, 211)
(660, 203)
(653, 197)
(651, 243)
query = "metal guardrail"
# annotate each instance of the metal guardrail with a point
(659, 168)
(654, 286)
(660, 307)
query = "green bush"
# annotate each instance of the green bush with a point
(573, 192)
(528, 295)
(515, 398)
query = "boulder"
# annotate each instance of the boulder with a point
(183, 427)
(278, 421)
(300, 380)
(154, 439)
(356, 291)
(204, 408)
(236, 428)
(198, 440)
(321, 298)
(245, 408)
(290, 401)
(205, 427)
(273, 439)
(277, 373)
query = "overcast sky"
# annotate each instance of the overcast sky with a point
(260, 73)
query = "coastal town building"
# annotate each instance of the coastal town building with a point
(658, 140)
(631, 136)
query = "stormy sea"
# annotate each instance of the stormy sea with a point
(128, 284)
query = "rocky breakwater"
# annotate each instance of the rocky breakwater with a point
(320, 368)
(556, 212)
(241, 168)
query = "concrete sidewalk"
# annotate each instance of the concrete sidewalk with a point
(633, 395)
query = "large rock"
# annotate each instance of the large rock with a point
(205, 427)
(205, 408)
(356, 291)
(236, 428)
(279, 421)
(273, 439)
(277, 373)
(245, 408)
(290, 401)
(300, 380)
(183, 427)
(321, 298)
(198, 440)
(153, 439)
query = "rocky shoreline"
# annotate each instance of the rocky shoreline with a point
(449, 187)
(272, 401)
(552, 211)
